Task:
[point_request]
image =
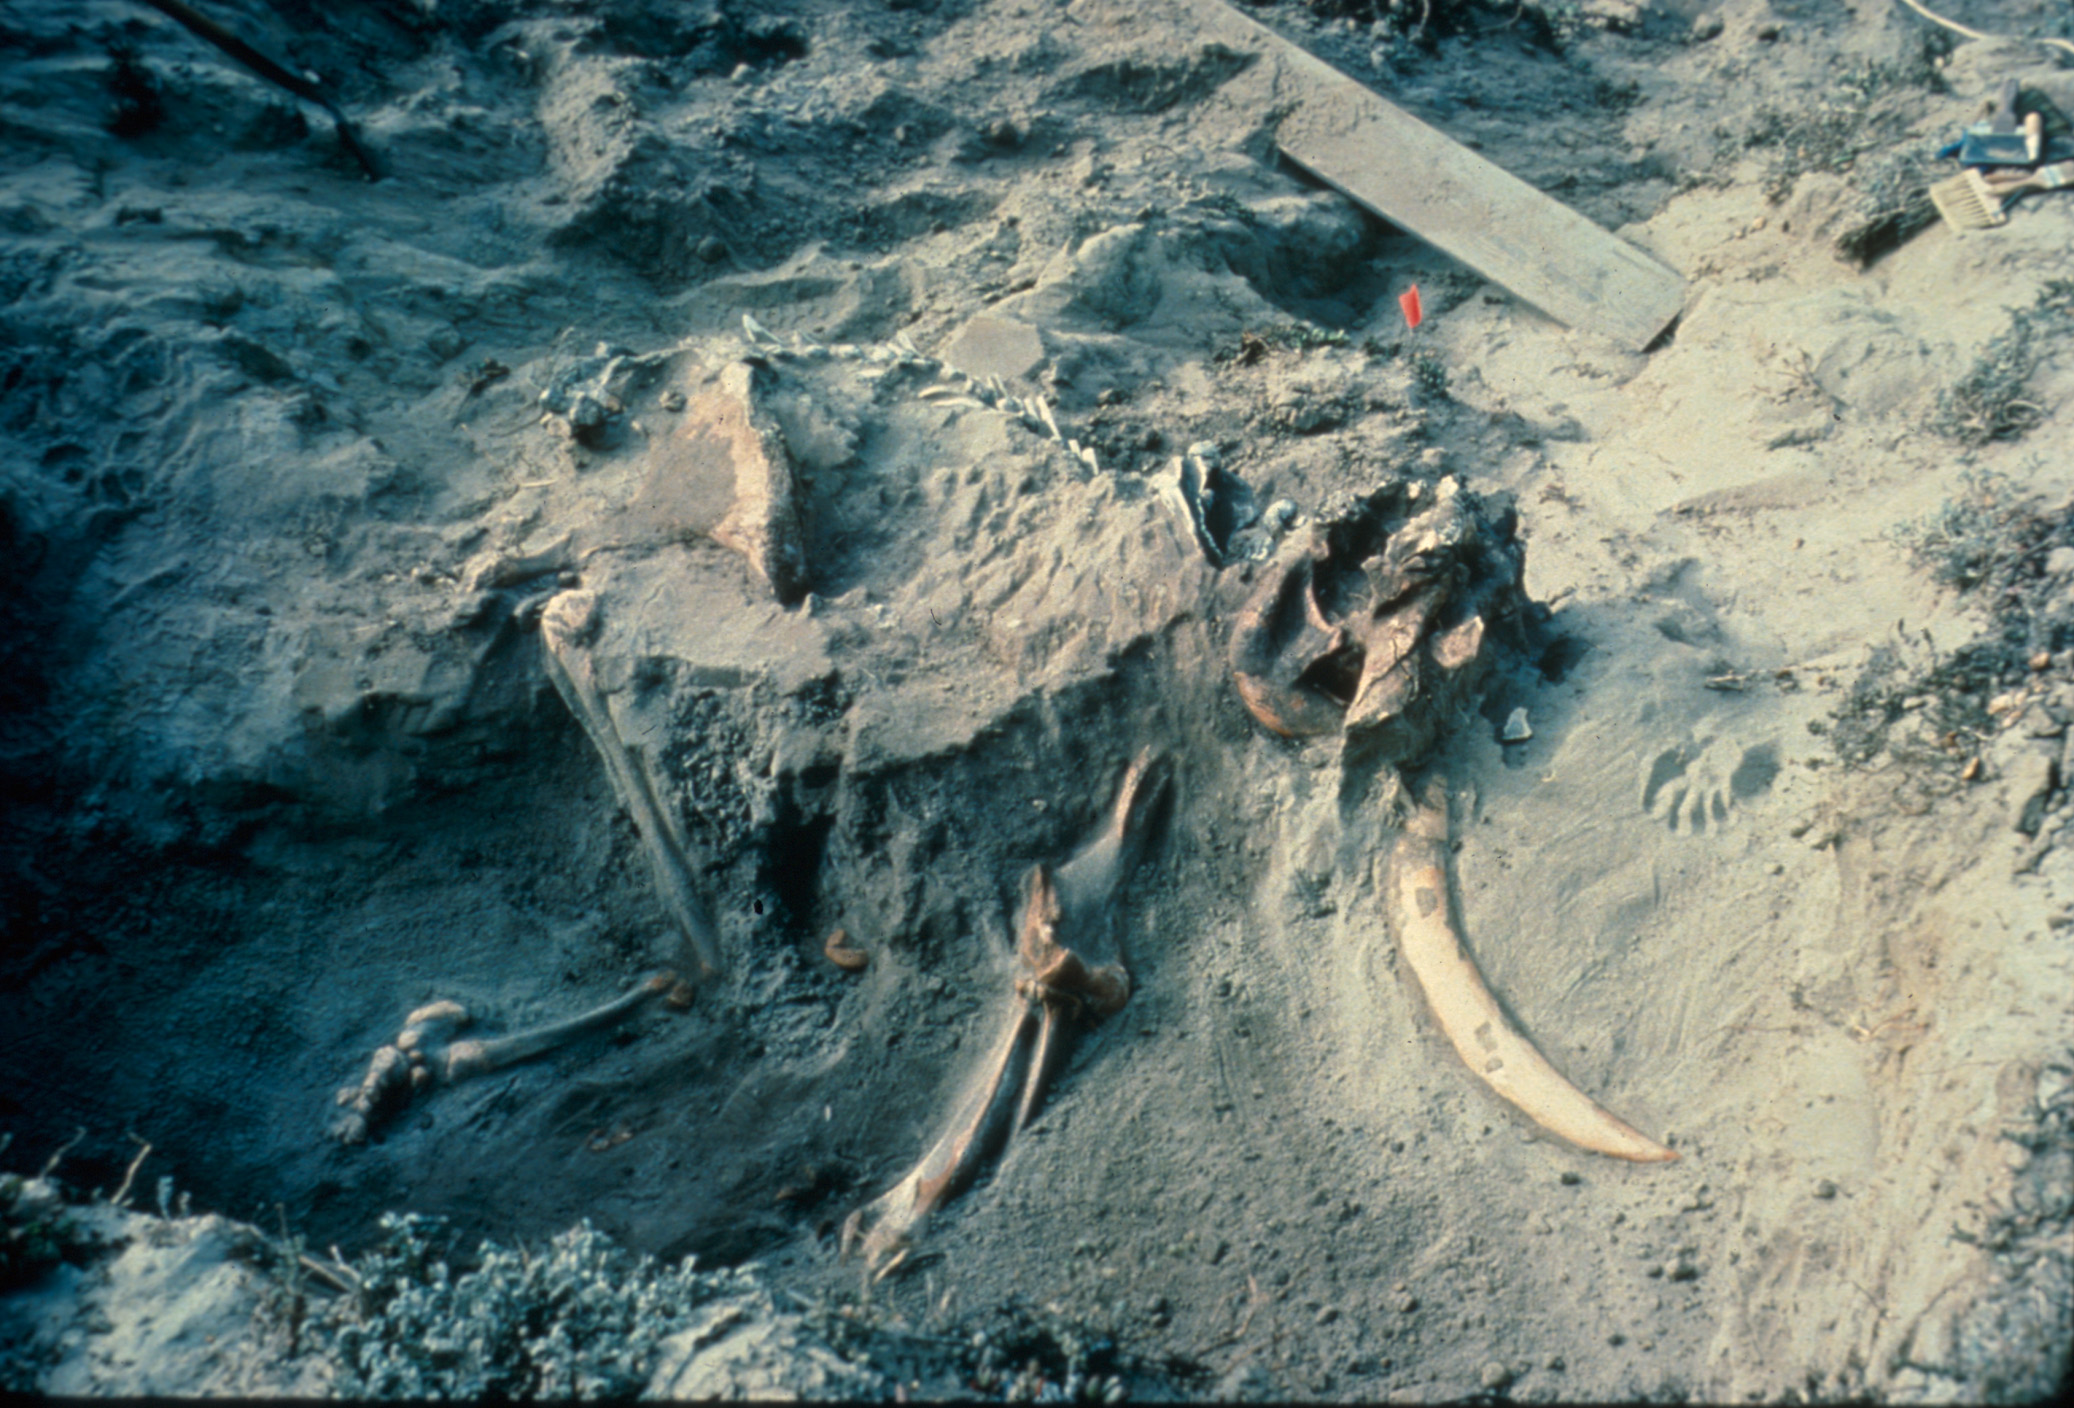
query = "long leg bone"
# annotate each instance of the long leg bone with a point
(475, 1058)
(424, 1054)
(566, 625)
(1061, 983)
(1420, 910)
(885, 1229)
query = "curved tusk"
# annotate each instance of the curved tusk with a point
(1485, 1039)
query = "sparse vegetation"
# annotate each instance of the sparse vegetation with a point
(1971, 535)
(1991, 542)
(1013, 1354)
(581, 1319)
(1991, 401)
(1403, 27)
(1429, 374)
(1256, 345)
(1858, 115)
(586, 1319)
(2026, 1357)
(36, 1234)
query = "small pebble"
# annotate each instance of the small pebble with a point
(1570, 1177)
(1554, 1363)
(1494, 1376)
(1824, 1188)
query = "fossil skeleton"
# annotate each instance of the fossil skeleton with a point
(1380, 624)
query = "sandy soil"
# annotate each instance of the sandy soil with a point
(278, 501)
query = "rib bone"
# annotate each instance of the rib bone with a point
(1420, 909)
(566, 625)
(1061, 983)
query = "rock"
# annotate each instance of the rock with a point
(490, 570)
(2037, 722)
(2032, 775)
(1495, 1377)
(764, 523)
(743, 1348)
(994, 346)
(185, 1308)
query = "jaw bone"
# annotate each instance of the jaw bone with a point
(424, 1055)
(1069, 972)
(1421, 912)
(567, 624)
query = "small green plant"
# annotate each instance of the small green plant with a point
(1991, 401)
(1942, 699)
(36, 1234)
(1857, 115)
(1972, 534)
(1429, 374)
(1993, 544)
(1015, 1353)
(581, 1319)
(1257, 345)
(1403, 27)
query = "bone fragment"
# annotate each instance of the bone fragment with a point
(566, 625)
(842, 951)
(764, 523)
(1280, 635)
(472, 1058)
(423, 1055)
(1070, 973)
(1419, 903)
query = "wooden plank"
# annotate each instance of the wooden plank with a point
(1422, 181)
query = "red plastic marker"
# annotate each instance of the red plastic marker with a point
(1409, 302)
